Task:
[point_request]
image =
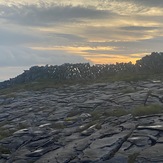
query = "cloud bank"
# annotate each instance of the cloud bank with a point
(54, 32)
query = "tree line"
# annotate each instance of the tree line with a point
(150, 64)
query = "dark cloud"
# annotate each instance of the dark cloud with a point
(129, 47)
(32, 15)
(150, 3)
(139, 28)
(68, 37)
(115, 33)
(23, 36)
(145, 3)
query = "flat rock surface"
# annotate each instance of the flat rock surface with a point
(76, 124)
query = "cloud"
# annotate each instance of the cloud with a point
(15, 36)
(139, 28)
(69, 37)
(150, 3)
(21, 56)
(128, 47)
(116, 33)
(33, 15)
(76, 27)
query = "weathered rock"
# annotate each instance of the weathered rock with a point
(157, 127)
(72, 124)
(119, 158)
(140, 141)
(152, 154)
(87, 132)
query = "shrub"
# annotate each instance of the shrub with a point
(5, 133)
(147, 110)
(128, 90)
(4, 150)
(117, 112)
(132, 157)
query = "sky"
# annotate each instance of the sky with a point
(37, 32)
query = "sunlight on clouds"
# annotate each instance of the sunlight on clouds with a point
(110, 60)
(126, 7)
(154, 11)
(129, 7)
(120, 28)
(100, 31)
(120, 7)
(138, 55)
(97, 58)
(119, 21)
(48, 2)
(74, 50)
(113, 58)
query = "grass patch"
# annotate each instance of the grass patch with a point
(4, 150)
(116, 112)
(57, 126)
(147, 110)
(132, 157)
(138, 111)
(38, 85)
(31, 86)
(74, 112)
(128, 90)
(42, 84)
(11, 95)
(22, 126)
(96, 114)
(5, 133)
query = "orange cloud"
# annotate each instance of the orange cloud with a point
(97, 58)
(106, 60)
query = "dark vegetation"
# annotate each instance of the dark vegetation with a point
(149, 67)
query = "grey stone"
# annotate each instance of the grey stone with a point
(160, 140)
(152, 154)
(87, 132)
(140, 141)
(21, 132)
(42, 131)
(119, 158)
(4, 115)
(157, 127)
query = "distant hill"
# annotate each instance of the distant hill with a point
(83, 72)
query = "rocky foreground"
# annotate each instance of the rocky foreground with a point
(75, 124)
